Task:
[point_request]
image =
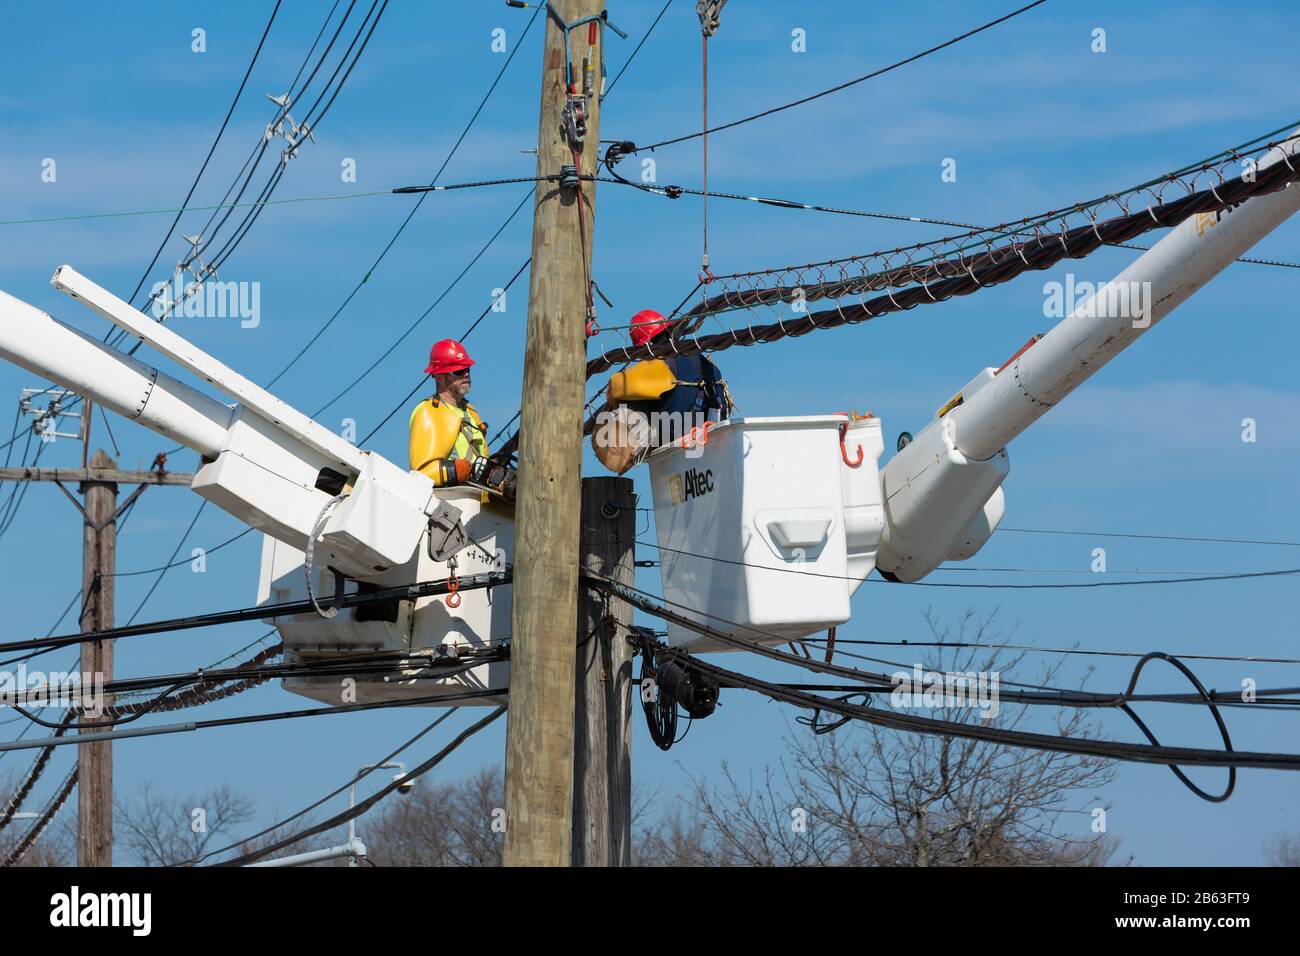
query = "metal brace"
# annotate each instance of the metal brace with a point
(447, 536)
(575, 119)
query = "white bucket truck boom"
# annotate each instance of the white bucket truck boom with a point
(277, 470)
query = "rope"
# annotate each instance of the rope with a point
(704, 259)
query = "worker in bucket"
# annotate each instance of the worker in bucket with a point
(447, 434)
(657, 401)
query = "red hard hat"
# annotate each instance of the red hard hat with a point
(447, 356)
(646, 324)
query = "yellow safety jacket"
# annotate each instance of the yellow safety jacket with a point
(441, 432)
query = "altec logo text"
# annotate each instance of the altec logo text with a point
(691, 484)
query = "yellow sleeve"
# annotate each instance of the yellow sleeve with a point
(641, 382)
(433, 435)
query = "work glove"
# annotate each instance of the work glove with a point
(453, 471)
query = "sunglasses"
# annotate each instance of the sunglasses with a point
(460, 373)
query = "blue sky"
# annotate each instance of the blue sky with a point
(1033, 117)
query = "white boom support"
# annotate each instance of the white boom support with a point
(263, 459)
(1178, 265)
(42, 345)
(942, 492)
(68, 280)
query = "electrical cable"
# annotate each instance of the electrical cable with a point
(674, 192)
(1055, 585)
(445, 292)
(163, 729)
(39, 826)
(1046, 696)
(176, 564)
(469, 582)
(370, 801)
(42, 759)
(247, 171)
(371, 768)
(309, 122)
(207, 159)
(463, 337)
(409, 216)
(260, 150)
(945, 277)
(171, 562)
(1152, 753)
(1055, 650)
(1154, 537)
(610, 88)
(842, 86)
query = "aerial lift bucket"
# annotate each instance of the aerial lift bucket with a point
(766, 526)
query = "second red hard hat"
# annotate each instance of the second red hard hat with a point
(646, 324)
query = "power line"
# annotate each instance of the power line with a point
(842, 86)
(191, 726)
(51, 810)
(260, 150)
(1234, 576)
(940, 279)
(371, 768)
(42, 760)
(1037, 694)
(674, 192)
(1154, 537)
(1054, 650)
(409, 216)
(207, 159)
(370, 801)
(423, 315)
(463, 337)
(1152, 753)
(468, 582)
(934, 266)
(400, 190)
(175, 564)
(171, 562)
(257, 669)
(310, 121)
(609, 89)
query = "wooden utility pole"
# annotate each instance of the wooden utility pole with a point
(99, 513)
(602, 749)
(95, 761)
(539, 740)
